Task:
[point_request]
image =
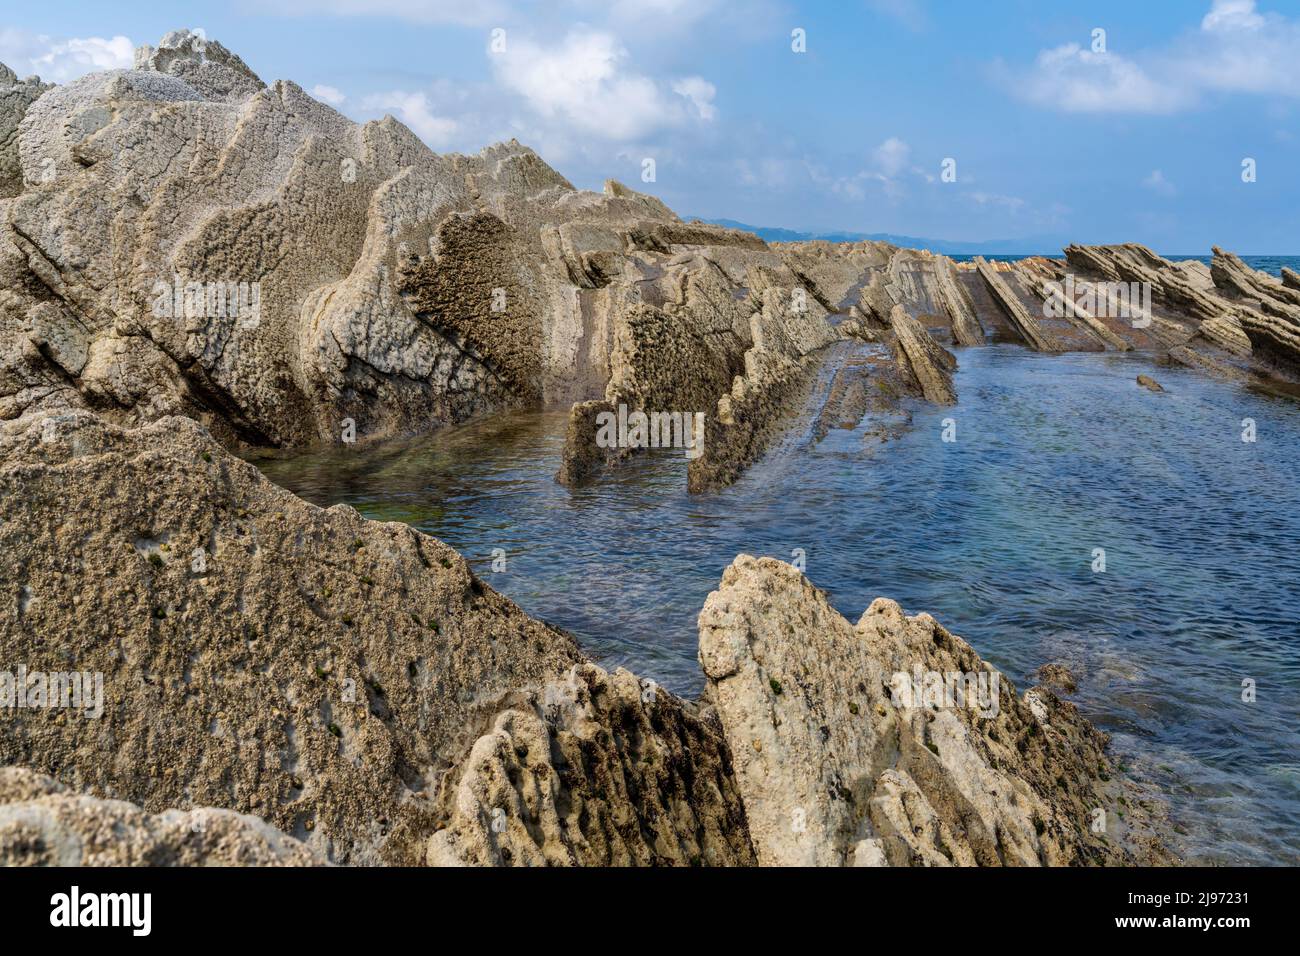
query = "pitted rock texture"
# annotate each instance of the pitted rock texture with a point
(598, 769)
(15, 98)
(258, 654)
(834, 769)
(43, 824)
(203, 64)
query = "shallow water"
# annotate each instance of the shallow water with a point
(994, 534)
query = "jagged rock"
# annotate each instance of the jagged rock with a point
(1057, 677)
(1290, 278)
(258, 654)
(923, 359)
(204, 64)
(786, 333)
(596, 770)
(1149, 383)
(836, 763)
(1025, 324)
(42, 823)
(15, 98)
(1272, 320)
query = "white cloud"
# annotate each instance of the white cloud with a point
(1236, 50)
(1157, 183)
(415, 111)
(583, 84)
(328, 94)
(1076, 80)
(1232, 15)
(700, 92)
(891, 156)
(58, 60)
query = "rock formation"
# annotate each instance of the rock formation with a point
(595, 770)
(1014, 307)
(42, 823)
(258, 653)
(193, 262)
(15, 97)
(832, 768)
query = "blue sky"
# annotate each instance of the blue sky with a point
(1054, 138)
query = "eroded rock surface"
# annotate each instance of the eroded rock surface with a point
(834, 770)
(15, 98)
(258, 654)
(42, 823)
(595, 770)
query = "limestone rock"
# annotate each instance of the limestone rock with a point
(43, 824)
(16, 96)
(837, 763)
(1149, 383)
(597, 769)
(923, 359)
(1272, 319)
(257, 653)
(204, 64)
(1025, 324)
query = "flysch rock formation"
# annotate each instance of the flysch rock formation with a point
(834, 770)
(354, 686)
(42, 823)
(193, 262)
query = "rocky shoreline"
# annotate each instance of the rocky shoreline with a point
(194, 264)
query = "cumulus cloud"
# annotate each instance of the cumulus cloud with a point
(1237, 49)
(60, 60)
(700, 92)
(328, 94)
(416, 111)
(585, 84)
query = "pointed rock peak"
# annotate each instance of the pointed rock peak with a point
(204, 64)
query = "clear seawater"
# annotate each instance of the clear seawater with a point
(993, 534)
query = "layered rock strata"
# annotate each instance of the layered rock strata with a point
(837, 767)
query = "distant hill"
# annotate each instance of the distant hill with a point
(990, 247)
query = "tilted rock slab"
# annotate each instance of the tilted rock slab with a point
(1025, 324)
(258, 654)
(924, 359)
(1272, 322)
(42, 823)
(832, 772)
